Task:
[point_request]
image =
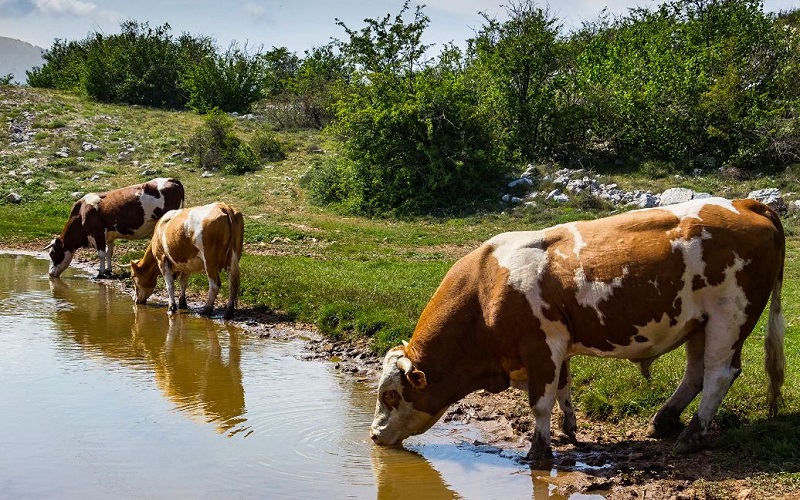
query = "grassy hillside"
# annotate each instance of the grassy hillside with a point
(354, 276)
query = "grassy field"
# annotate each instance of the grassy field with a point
(354, 276)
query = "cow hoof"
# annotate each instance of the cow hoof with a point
(691, 439)
(570, 437)
(228, 315)
(665, 425)
(536, 460)
(687, 444)
(183, 305)
(206, 311)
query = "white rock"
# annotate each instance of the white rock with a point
(675, 195)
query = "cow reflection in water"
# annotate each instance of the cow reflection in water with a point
(192, 374)
(183, 352)
(398, 471)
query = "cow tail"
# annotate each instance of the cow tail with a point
(775, 358)
(237, 243)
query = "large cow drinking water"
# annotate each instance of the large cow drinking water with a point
(205, 239)
(632, 286)
(97, 219)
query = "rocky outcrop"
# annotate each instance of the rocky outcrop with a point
(566, 183)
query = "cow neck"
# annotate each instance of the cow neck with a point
(451, 341)
(148, 265)
(74, 235)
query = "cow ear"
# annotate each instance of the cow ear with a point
(417, 379)
(414, 376)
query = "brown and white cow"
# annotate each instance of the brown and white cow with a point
(97, 219)
(631, 286)
(204, 239)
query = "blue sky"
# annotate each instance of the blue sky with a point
(295, 24)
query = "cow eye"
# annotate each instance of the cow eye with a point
(391, 399)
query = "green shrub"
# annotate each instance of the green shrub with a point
(231, 81)
(413, 138)
(215, 146)
(266, 146)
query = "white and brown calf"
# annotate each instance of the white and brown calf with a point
(97, 219)
(632, 286)
(206, 239)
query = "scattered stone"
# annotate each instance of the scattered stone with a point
(13, 198)
(675, 195)
(647, 200)
(522, 181)
(206, 173)
(77, 195)
(88, 146)
(770, 197)
(557, 196)
(63, 152)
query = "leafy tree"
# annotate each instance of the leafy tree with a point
(231, 81)
(138, 66)
(63, 68)
(413, 139)
(516, 65)
(280, 67)
(321, 75)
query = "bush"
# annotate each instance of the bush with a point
(413, 139)
(266, 146)
(215, 146)
(231, 81)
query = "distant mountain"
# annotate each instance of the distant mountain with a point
(17, 56)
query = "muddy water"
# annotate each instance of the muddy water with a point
(100, 398)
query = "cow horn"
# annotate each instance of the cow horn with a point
(405, 344)
(405, 365)
(415, 377)
(49, 245)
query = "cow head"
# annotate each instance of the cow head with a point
(404, 406)
(60, 257)
(144, 280)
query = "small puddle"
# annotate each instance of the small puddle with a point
(103, 398)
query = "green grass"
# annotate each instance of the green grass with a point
(355, 276)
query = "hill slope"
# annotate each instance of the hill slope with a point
(17, 57)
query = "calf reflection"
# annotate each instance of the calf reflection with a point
(184, 352)
(191, 370)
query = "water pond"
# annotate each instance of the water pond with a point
(105, 399)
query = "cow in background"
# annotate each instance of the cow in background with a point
(97, 219)
(632, 286)
(204, 239)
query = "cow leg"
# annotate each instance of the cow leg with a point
(667, 421)
(184, 277)
(722, 366)
(109, 271)
(541, 454)
(98, 242)
(213, 289)
(169, 282)
(569, 425)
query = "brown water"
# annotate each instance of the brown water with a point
(100, 398)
